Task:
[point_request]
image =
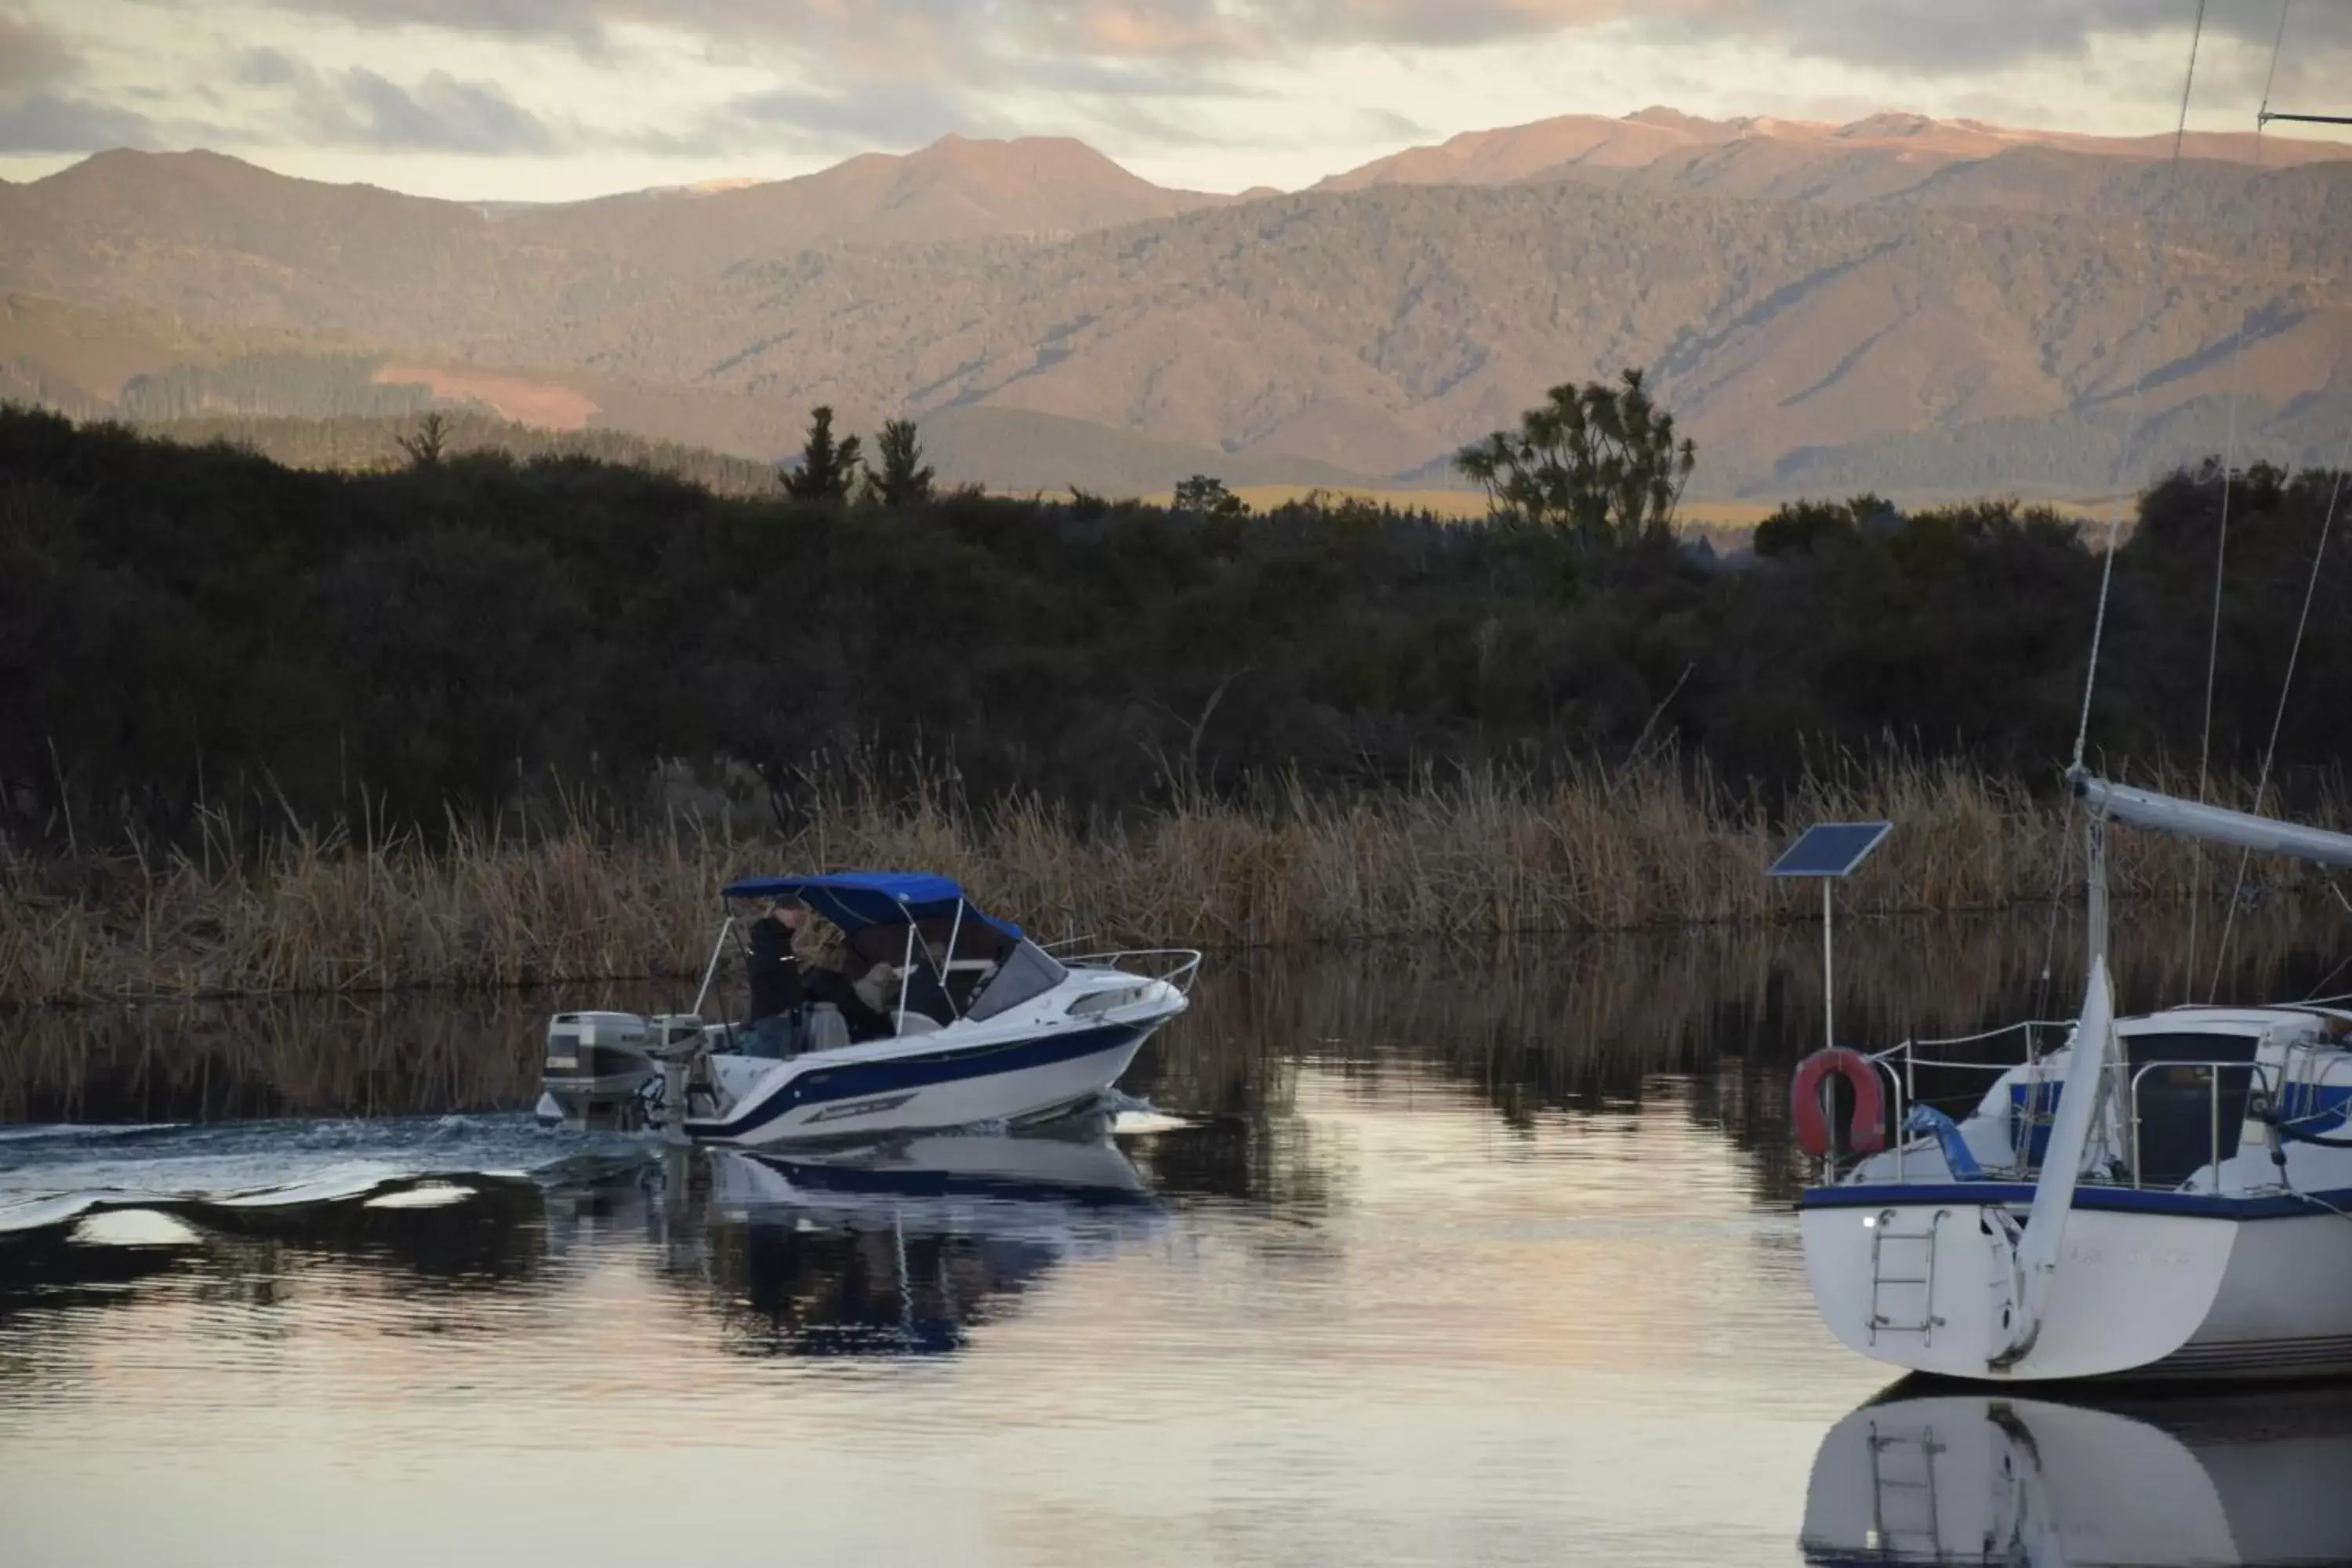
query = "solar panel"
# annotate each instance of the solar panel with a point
(1831, 850)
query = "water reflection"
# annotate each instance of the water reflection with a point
(900, 1249)
(1445, 1258)
(1533, 1028)
(1947, 1477)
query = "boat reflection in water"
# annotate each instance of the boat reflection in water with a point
(894, 1248)
(1965, 1477)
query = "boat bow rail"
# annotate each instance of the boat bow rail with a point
(1900, 1065)
(2306, 1094)
(1177, 966)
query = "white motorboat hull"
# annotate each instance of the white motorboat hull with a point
(927, 1083)
(1008, 1081)
(2151, 1285)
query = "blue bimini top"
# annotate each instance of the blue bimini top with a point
(855, 899)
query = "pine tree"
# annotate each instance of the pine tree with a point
(426, 445)
(904, 480)
(827, 467)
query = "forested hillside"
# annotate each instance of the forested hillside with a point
(1379, 330)
(1921, 307)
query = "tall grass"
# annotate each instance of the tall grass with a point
(1488, 853)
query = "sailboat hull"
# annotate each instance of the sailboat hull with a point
(2150, 1285)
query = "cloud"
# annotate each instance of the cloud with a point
(629, 85)
(31, 54)
(1126, 79)
(440, 114)
(1130, 30)
(48, 123)
(37, 116)
(868, 113)
(270, 67)
(361, 108)
(1937, 38)
(898, 38)
(580, 21)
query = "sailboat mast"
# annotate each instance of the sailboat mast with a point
(2094, 844)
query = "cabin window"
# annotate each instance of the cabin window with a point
(2177, 1099)
(1027, 973)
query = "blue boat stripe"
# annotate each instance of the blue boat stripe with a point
(2249, 1353)
(2119, 1200)
(896, 1075)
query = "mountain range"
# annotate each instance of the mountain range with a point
(1924, 307)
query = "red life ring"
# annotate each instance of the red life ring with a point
(1867, 1134)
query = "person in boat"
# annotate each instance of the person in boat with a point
(878, 989)
(831, 975)
(777, 991)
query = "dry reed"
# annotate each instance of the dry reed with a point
(1484, 854)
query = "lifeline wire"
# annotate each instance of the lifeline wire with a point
(2139, 383)
(2221, 544)
(2286, 687)
(2057, 900)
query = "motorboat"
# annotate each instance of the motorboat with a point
(1965, 1477)
(2167, 1194)
(984, 1028)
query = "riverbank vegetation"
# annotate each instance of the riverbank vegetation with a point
(1455, 859)
(483, 720)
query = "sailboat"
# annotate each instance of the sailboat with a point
(2168, 1195)
(2163, 1196)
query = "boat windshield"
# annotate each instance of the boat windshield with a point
(1027, 973)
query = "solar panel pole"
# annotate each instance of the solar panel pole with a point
(1828, 968)
(1830, 850)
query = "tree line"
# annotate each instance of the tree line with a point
(181, 626)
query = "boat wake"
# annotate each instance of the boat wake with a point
(57, 1175)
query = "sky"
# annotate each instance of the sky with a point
(559, 99)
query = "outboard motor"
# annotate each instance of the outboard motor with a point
(598, 1065)
(681, 1045)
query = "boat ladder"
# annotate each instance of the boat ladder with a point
(1905, 1525)
(1904, 1250)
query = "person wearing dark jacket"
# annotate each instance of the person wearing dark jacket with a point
(775, 979)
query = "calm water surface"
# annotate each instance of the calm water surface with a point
(1397, 1259)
